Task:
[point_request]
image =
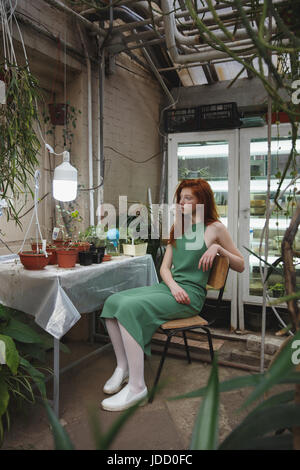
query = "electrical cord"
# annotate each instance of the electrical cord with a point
(131, 159)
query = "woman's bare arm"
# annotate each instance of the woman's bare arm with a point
(225, 246)
(179, 294)
(165, 269)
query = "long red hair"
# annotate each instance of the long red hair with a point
(202, 190)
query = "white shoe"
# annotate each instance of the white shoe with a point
(114, 384)
(124, 399)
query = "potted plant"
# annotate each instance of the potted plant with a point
(33, 260)
(79, 246)
(52, 253)
(277, 290)
(58, 113)
(67, 257)
(97, 249)
(85, 258)
(17, 124)
(135, 246)
(62, 114)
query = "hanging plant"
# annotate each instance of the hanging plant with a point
(19, 144)
(58, 113)
(62, 114)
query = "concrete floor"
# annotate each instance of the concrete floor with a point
(162, 425)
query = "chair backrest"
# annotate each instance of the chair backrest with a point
(219, 272)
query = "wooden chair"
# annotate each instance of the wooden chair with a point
(217, 280)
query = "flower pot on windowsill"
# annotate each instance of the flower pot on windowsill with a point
(33, 261)
(58, 113)
(135, 250)
(66, 258)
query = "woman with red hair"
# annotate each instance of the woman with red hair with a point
(132, 316)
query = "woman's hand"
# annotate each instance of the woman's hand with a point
(180, 295)
(208, 257)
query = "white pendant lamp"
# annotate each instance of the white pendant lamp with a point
(65, 180)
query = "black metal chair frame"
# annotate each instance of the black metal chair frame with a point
(171, 332)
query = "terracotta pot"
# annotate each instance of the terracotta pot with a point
(33, 246)
(33, 261)
(66, 258)
(52, 255)
(58, 113)
(84, 246)
(59, 243)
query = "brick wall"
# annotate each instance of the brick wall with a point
(132, 100)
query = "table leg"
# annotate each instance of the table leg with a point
(56, 378)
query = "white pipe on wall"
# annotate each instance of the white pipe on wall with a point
(90, 128)
(100, 175)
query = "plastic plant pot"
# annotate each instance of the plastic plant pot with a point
(101, 250)
(66, 258)
(97, 257)
(33, 261)
(85, 258)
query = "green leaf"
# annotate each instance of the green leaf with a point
(47, 343)
(259, 423)
(37, 376)
(280, 369)
(104, 441)
(62, 440)
(205, 433)
(283, 397)
(4, 396)
(32, 351)
(227, 386)
(21, 332)
(11, 353)
(275, 442)
(4, 315)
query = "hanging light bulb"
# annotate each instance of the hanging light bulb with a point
(65, 180)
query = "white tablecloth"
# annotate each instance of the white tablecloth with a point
(56, 296)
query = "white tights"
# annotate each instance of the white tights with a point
(129, 354)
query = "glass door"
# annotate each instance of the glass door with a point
(212, 156)
(253, 177)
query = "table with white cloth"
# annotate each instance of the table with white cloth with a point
(57, 296)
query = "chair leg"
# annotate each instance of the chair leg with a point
(211, 349)
(151, 398)
(186, 347)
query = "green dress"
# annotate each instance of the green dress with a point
(142, 310)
